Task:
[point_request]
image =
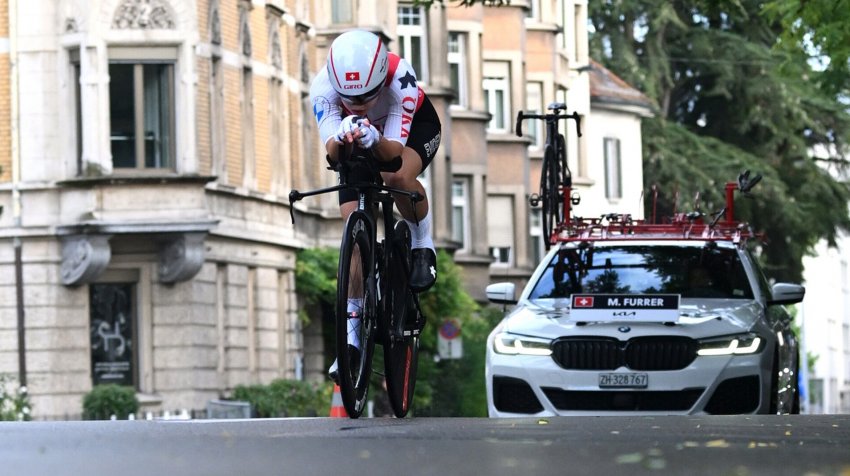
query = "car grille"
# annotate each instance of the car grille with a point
(640, 353)
(679, 400)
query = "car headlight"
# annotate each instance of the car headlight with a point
(512, 344)
(730, 345)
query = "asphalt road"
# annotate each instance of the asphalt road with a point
(737, 445)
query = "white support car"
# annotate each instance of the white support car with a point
(676, 320)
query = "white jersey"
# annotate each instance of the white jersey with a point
(392, 113)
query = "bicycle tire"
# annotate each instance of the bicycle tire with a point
(546, 194)
(401, 350)
(561, 180)
(356, 281)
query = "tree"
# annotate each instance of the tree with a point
(818, 28)
(727, 101)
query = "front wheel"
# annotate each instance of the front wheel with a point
(355, 313)
(401, 345)
(549, 194)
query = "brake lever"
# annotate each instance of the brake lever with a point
(294, 196)
(574, 116)
(519, 124)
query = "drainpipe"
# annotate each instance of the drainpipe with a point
(16, 192)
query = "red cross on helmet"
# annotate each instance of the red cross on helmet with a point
(357, 64)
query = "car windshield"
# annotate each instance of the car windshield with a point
(692, 272)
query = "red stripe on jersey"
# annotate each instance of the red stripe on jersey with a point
(394, 59)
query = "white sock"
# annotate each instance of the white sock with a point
(354, 332)
(421, 234)
(355, 305)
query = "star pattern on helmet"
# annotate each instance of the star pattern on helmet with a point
(407, 81)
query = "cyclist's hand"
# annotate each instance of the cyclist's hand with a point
(369, 136)
(348, 129)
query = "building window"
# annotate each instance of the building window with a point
(248, 127)
(141, 113)
(341, 11)
(535, 231)
(457, 67)
(533, 11)
(460, 212)
(217, 127)
(114, 334)
(534, 103)
(496, 99)
(613, 184)
(500, 228)
(276, 125)
(413, 40)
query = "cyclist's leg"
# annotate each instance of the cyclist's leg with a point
(422, 145)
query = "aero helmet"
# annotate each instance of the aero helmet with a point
(357, 64)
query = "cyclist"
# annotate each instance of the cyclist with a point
(368, 98)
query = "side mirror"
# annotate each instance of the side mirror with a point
(502, 293)
(787, 293)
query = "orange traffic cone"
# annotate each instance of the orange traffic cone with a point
(337, 409)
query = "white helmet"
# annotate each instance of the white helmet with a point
(357, 64)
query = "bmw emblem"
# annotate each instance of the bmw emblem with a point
(624, 329)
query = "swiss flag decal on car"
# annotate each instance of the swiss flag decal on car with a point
(582, 301)
(352, 76)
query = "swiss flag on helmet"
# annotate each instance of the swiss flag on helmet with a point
(352, 76)
(582, 301)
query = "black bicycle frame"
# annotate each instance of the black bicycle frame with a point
(553, 143)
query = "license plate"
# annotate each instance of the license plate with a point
(623, 380)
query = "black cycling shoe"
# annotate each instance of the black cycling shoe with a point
(424, 272)
(354, 355)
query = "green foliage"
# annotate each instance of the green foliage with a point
(14, 403)
(286, 398)
(817, 28)
(104, 401)
(728, 100)
(315, 277)
(453, 387)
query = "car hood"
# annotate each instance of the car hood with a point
(697, 319)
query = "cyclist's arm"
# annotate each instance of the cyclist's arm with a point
(387, 149)
(324, 101)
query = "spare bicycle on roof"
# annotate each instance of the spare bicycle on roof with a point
(555, 176)
(557, 199)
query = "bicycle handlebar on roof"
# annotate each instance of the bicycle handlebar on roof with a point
(549, 117)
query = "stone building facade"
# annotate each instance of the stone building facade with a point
(147, 149)
(153, 145)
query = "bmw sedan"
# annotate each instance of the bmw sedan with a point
(644, 327)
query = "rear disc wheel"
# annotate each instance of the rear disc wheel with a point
(401, 347)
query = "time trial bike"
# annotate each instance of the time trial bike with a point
(374, 275)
